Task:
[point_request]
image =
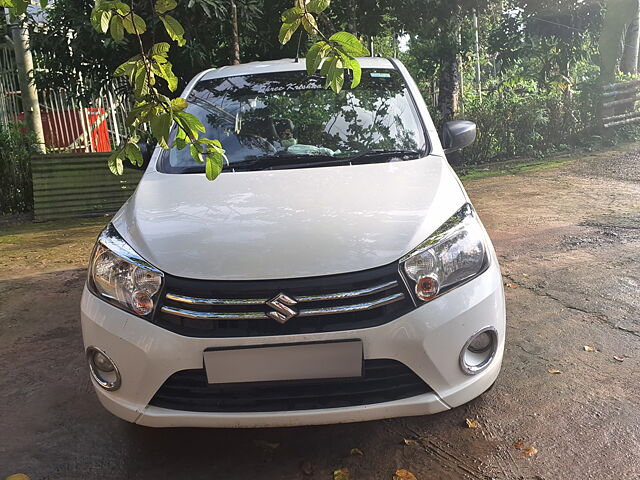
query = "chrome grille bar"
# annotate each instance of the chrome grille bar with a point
(303, 298)
(342, 295)
(215, 301)
(215, 316)
(359, 307)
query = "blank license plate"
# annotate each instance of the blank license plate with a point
(297, 361)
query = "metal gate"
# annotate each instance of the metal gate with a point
(70, 123)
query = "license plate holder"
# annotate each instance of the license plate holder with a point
(290, 361)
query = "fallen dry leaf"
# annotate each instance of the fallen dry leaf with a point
(341, 474)
(356, 451)
(619, 358)
(530, 451)
(525, 274)
(403, 474)
(472, 423)
(411, 443)
(587, 348)
(519, 444)
(17, 476)
(554, 371)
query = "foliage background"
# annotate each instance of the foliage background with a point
(538, 59)
(16, 188)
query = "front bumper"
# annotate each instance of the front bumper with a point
(428, 340)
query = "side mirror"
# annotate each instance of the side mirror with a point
(458, 134)
(147, 151)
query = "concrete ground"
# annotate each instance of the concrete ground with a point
(569, 243)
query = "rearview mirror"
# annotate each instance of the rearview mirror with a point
(458, 134)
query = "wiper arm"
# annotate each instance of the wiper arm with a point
(267, 162)
(384, 154)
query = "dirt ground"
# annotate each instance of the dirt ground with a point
(568, 239)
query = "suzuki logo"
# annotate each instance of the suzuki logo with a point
(282, 310)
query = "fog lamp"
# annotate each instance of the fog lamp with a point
(479, 351)
(103, 370)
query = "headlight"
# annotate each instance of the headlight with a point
(120, 276)
(453, 255)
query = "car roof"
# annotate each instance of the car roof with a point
(284, 65)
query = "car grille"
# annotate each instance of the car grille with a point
(216, 309)
(383, 380)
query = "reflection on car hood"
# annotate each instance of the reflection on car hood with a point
(288, 223)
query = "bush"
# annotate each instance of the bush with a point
(526, 122)
(16, 187)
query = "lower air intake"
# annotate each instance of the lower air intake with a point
(383, 380)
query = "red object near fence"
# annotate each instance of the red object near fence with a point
(64, 129)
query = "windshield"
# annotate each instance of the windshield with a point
(290, 120)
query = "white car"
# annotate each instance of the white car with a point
(335, 271)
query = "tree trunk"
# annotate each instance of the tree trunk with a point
(449, 88)
(235, 37)
(631, 46)
(28, 90)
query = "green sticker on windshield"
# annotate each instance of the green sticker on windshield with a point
(380, 75)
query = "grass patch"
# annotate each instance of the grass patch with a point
(523, 165)
(14, 233)
(510, 167)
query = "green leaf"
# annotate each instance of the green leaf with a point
(105, 18)
(315, 56)
(291, 15)
(43, 4)
(140, 83)
(128, 67)
(138, 114)
(164, 6)
(324, 70)
(178, 104)
(212, 144)
(160, 49)
(349, 44)
(318, 6)
(354, 66)
(168, 75)
(309, 24)
(174, 29)
(194, 150)
(335, 75)
(116, 29)
(115, 163)
(133, 154)
(121, 8)
(160, 125)
(287, 30)
(213, 165)
(95, 14)
(134, 24)
(190, 123)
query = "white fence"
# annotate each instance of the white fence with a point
(70, 123)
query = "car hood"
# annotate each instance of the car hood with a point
(288, 223)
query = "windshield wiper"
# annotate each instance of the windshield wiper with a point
(281, 162)
(268, 162)
(383, 155)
